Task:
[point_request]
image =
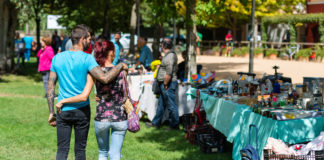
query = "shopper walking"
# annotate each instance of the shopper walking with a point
(111, 118)
(71, 68)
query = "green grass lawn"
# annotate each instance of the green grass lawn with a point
(26, 135)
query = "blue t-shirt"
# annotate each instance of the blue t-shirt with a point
(71, 69)
(118, 49)
(28, 42)
(146, 56)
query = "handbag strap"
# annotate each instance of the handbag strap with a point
(256, 136)
(125, 87)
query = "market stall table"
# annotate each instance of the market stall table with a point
(233, 120)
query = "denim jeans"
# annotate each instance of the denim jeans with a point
(45, 77)
(167, 100)
(117, 132)
(20, 54)
(65, 121)
(27, 54)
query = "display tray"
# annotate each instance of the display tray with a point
(313, 155)
(211, 142)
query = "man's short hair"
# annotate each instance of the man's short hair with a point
(167, 43)
(78, 32)
(118, 32)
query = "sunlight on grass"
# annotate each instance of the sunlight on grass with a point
(25, 134)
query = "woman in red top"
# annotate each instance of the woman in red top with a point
(45, 55)
(228, 39)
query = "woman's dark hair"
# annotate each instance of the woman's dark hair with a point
(78, 32)
(101, 51)
(167, 43)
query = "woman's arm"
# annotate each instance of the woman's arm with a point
(78, 98)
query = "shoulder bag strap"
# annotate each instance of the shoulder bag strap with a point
(256, 135)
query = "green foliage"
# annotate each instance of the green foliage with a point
(258, 51)
(237, 52)
(158, 12)
(271, 51)
(292, 20)
(245, 50)
(319, 51)
(216, 48)
(229, 13)
(96, 15)
(304, 53)
(25, 130)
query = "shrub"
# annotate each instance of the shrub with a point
(237, 52)
(319, 53)
(258, 51)
(216, 48)
(245, 50)
(271, 51)
(304, 53)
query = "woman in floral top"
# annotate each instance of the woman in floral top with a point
(111, 117)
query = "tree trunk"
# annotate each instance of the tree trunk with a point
(105, 30)
(38, 32)
(156, 41)
(191, 38)
(132, 29)
(8, 22)
(138, 17)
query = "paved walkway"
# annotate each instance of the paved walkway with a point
(229, 66)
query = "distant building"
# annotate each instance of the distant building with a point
(314, 6)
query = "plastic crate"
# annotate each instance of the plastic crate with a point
(312, 155)
(211, 143)
(192, 132)
(187, 121)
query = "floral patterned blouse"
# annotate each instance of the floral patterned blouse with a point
(110, 107)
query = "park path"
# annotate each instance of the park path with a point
(229, 66)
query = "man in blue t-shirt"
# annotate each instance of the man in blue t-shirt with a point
(28, 40)
(118, 47)
(146, 56)
(70, 68)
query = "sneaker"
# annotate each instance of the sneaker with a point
(149, 125)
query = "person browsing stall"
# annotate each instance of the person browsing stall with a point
(167, 77)
(146, 56)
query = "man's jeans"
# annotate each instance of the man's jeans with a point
(66, 120)
(118, 131)
(27, 54)
(167, 100)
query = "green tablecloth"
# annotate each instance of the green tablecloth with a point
(233, 120)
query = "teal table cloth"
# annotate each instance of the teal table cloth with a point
(233, 120)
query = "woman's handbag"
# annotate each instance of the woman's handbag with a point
(156, 87)
(133, 124)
